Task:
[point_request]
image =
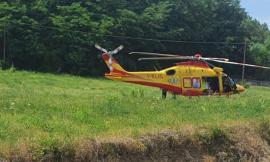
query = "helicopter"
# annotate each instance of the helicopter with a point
(193, 76)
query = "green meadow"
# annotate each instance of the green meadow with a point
(45, 109)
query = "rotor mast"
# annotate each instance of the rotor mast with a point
(244, 62)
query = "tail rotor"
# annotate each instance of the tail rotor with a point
(100, 48)
(110, 53)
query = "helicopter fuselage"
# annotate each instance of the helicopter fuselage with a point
(190, 78)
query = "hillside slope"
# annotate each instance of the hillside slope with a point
(43, 114)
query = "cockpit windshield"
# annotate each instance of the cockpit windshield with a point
(232, 81)
(210, 85)
(228, 84)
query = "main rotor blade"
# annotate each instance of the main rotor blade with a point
(241, 64)
(167, 58)
(211, 58)
(153, 54)
(171, 55)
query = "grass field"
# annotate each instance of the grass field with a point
(45, 109)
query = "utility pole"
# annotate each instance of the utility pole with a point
(244, 61)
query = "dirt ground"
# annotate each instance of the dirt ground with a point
(233, 143)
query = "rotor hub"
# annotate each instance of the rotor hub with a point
(198, 56)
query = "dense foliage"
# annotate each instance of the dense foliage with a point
(58, 35)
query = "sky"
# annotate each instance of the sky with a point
(258, 9)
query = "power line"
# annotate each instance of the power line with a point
(134, 38)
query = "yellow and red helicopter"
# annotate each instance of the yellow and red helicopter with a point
(193, 77)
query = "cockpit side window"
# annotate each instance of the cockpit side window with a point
(232, 81)
(170, 72)
(228, 84)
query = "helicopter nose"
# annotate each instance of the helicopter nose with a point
(240, 88)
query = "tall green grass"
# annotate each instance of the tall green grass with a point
(45, 109)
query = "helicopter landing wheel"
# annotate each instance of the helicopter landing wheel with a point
(164, 94)
(174, 96)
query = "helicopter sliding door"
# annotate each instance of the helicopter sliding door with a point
(210, 85)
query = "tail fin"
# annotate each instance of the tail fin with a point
(112, 64)
(109, 60)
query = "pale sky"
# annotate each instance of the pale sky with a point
(258, 9)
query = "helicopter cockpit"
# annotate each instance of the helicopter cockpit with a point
(211, 85)
(229, 84)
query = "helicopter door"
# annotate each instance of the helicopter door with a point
(192, 83)
(210, 85)
(187, 83)
(191, 86)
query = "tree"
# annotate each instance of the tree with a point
(58, 36)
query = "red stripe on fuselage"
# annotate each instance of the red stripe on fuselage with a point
(119, 73)
(170, 88)
(192, 93)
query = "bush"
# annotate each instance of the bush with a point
(264, 130)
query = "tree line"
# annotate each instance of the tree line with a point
(58, 36)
